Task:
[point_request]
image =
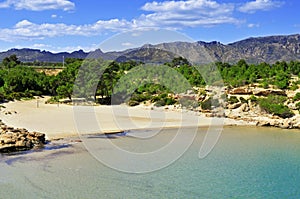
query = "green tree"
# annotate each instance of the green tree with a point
(11, 61)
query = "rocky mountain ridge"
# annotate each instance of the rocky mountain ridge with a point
(254, 50)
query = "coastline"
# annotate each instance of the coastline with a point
(65, 121)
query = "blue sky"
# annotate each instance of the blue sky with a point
(68, 25)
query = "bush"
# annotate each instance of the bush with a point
(158, 98)
(160, 103)
(296, 97)
(298, 106)
(243, 100)
(273, 104)
(140, 97)
(165, 101)
(188, 103)
(233, 100)
(253, 98)
(294, 86)
(53, 100)
(209, 103)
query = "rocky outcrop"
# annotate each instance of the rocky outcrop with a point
(12, 139)
(266, 92)
(241, 91)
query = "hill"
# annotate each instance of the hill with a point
(254, 50)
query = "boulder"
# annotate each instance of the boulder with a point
(12, 139)
(286, 124)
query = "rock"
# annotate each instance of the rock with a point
(286, 124)
(263, 123)
(241, 91)
(12, 139)
(244, 107)
(234, 106)
(297, 125)
(266, 92)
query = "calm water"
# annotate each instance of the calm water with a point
(246, 163)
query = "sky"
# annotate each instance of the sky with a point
(69, 25)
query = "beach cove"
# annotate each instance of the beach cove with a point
(247, 162)
(61, 120)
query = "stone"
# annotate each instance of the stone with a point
(263, 123)
(241, 91)
(234, 106)
(266, 92)
(244, 107)
(12, 139)
(286, 124)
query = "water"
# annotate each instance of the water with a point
(246, 163)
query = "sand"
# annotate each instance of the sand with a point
(60, 121)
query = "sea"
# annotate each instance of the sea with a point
(246, 162)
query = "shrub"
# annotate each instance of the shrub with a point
(209, 103)
(53, 100)
(188, 103)
(160, 103)
(296, 97)
(294, 86)
(243, 100)
(253, 99)
(165, 101)
(140, 97)
(273, 104)
(233, 100)
(298, 106)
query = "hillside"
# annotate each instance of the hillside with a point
(254, 50)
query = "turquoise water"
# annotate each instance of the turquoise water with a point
(246, 163)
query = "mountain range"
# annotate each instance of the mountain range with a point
(254, 50)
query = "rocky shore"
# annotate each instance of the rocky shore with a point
(14, 139)
(247, 110)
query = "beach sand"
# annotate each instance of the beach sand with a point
(60, 121)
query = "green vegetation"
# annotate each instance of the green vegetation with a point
(298, 106)
(209, 103)
(233, 100)
(274, 104)
(101, 81)
(278, 74)
(296, 97)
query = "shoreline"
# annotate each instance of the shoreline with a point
(65, 121)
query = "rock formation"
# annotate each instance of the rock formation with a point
(12, 139)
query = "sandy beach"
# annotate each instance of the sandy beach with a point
(60, 121)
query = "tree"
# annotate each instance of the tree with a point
(11, 61)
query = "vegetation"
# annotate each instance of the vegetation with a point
(274, 104)
(296, 97)
(101, 81)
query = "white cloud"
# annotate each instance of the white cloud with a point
(188, 13)
(127, 44)
(57, 49)
(28, 31)
(253, 6)
(252, 25)
(166, 14)
(38, 5)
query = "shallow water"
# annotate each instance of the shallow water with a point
(246, 163)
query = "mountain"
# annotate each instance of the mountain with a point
(254, 50)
